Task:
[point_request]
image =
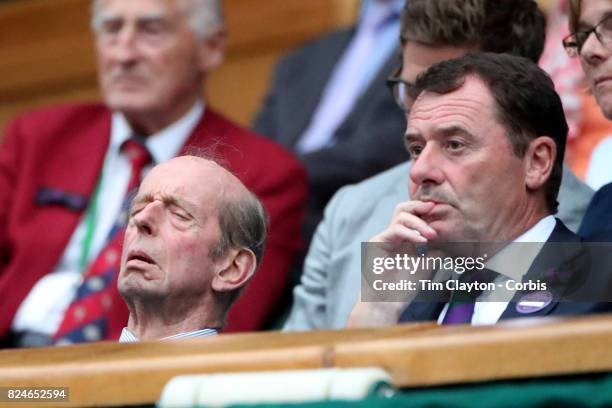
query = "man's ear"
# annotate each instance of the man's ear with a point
(235, 270)
(539, 161)
(211, 51)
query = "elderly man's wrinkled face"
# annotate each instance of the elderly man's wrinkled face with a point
(596, 58)
(173, 226)
(149, 59)
(463, 162)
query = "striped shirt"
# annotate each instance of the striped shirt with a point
(128, 337)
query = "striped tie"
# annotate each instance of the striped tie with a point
(86, 317)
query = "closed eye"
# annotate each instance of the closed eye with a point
(181, 216)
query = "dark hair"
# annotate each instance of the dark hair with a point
(574, 14)
(512, 26)
(527, 104)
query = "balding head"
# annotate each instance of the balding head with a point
(194, 239)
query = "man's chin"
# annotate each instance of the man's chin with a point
(129, 103)
(139, 293)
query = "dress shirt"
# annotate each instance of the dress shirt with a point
(509, 267)
(374, 40)
(128, 337)
(43, 309)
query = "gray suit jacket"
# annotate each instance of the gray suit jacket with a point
(331, 279)
(367, 142)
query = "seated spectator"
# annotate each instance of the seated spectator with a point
(432, 31)
(328, 104)
(589, 134)
(487, 136)
(597, 223)
(65, 174)
(189, 249)
(591, 40)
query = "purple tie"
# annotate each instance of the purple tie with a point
(461, 307)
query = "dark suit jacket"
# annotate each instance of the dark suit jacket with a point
(575, 261)
(367, 142)
(597, 222)
(63, 148)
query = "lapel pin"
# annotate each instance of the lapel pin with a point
(534, 302)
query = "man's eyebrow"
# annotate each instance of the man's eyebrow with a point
(412, 136)
(186, 205)
(144, 18)
(453, 130)
(167, 200)
(142, 199)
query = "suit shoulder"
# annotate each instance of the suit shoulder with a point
(49, 119)
(319, 44)
(605, 191)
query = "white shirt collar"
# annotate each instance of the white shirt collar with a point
(164, 144)
(128, 337)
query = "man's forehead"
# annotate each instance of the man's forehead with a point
(141, 9)
(186, 176)
(470, 103)
(591, 12)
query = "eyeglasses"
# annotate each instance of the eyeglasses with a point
(574, 42)
(401, 91)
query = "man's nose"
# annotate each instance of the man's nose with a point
(125, 45)
(147, 219)
(426, 167)
(593, 51)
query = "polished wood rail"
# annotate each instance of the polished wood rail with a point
(110, 374)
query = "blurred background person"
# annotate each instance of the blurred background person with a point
(591, 41)
(67, 174)
(328, 104)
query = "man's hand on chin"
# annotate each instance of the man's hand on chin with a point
(406, 227)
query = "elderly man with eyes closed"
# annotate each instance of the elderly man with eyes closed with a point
(190, 247)
(67, 174)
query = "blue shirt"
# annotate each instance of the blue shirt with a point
(376, 37)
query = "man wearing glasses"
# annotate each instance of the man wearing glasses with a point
(591, 40)
(431, 31)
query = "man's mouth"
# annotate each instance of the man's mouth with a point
(603, 80)
(140, 256)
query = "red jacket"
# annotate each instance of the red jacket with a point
(63, 148)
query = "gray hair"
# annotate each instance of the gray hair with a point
(243, 223)
(204, 16)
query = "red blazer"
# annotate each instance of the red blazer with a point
(63, 148)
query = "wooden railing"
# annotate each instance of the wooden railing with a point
(47, 54)
(111, 374)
